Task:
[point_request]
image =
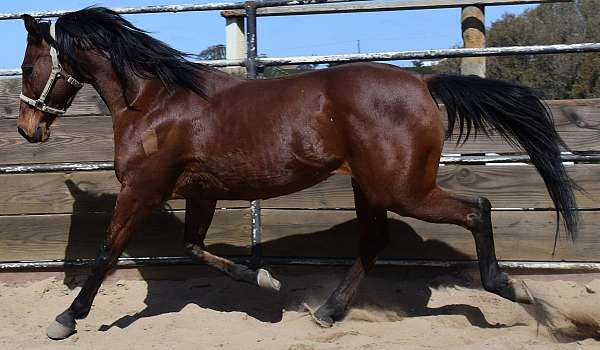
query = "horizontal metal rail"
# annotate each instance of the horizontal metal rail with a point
(55, 167)
(396, 55)
(432, 54)
(168, 261)
(212, 63)
(177, 8)
(448, 159)
(10, 72)
(491, 159)
(378, 6)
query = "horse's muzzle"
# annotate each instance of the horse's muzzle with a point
(38, 136)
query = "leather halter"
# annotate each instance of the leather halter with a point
(57, 71)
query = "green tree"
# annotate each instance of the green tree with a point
(554, 76)
(449, 65)
(214, 52)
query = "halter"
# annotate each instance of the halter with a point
(57, 71)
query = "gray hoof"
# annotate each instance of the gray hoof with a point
(265, 280)
(321, 320)
(522, 293)
(57, 331)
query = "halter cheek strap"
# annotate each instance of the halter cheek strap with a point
(57, 71)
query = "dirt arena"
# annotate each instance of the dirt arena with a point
(397, 308)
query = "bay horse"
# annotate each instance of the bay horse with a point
(186, 130)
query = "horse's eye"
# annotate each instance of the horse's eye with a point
(26, 70)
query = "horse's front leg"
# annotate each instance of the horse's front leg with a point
(131, 209)
(198, 217)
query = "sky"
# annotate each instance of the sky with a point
(277, 36)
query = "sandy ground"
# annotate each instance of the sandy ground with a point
(397, 308)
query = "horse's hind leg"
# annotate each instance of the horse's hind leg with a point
(473, 213)
(373, 239)
(198, 217)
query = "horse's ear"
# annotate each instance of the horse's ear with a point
(32, 27)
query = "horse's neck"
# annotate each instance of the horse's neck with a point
(107, 84)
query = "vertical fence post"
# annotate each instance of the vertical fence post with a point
(235, 42)
(251, 72)
(473, 31)
(251, 51)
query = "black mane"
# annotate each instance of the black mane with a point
(129, 48)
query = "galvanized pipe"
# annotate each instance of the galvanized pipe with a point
(431, 54)
(177, 8)
(252, 73)
(55, 167)
(251, 43)
(445, 159)
(378, 6)
(396, 55)
(166, 261)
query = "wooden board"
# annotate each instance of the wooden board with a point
(73, 139)
(510, 186)
(92, 138)
(71, 236)
(87, 101)
(576, 120)
(519, 236)
(59, 193)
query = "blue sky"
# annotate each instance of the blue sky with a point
(277, 36)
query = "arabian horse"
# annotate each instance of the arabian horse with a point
(185, 130)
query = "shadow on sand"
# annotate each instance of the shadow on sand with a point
(404, 292)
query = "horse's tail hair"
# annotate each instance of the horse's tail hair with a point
(521, 118)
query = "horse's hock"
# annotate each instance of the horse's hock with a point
(56, 216)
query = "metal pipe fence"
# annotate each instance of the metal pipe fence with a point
(445, 159)
(384, 56)
(559, 266)
(219, 6)
(251, 63)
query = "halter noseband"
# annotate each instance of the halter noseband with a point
(57, 71)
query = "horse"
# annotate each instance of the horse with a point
(183, 129)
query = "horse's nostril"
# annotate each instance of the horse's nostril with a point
(22, 132)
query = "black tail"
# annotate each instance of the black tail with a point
(521, 118)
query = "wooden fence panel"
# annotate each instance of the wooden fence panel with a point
(79, 192)
(87, 101)
(520, 235)
(60, 215)
(92, 139)
(80, 235)
(576, 120)
(73, 139)
(511, 186)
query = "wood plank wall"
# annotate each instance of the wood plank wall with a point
(65, 215)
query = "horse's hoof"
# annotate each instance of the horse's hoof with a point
(265, 280)
(521, 292)
(320, 317)
(57, 331)
(323, 320)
